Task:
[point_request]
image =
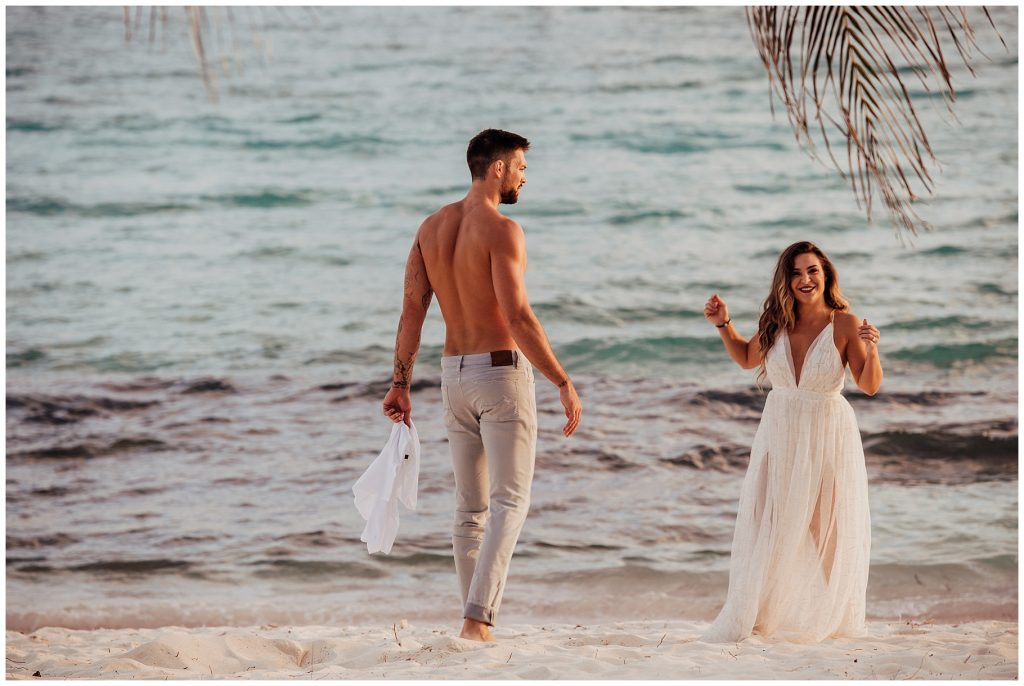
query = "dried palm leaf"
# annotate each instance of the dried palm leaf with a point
(207, 42)
(847, 69)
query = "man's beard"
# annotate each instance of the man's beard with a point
(509, 196)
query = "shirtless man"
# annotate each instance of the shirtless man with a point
(474, 259)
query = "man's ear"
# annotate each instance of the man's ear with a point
(499, 167)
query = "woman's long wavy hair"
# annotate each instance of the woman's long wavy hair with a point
(779, 307)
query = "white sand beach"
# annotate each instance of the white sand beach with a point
(626, 650)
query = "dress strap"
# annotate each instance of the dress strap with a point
(832, 316)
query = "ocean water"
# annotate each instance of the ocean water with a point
(202, 299)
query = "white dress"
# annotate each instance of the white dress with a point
(801, 549)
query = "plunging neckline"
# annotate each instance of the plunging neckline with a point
(792, 362)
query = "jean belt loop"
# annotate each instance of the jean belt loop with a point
(515, 359)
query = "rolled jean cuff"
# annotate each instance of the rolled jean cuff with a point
(480, 613)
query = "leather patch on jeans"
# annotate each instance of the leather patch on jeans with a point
(502, 358)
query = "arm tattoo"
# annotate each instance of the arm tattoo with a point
(411, 282)
(417, 292)
(403, 370)
(420, 276)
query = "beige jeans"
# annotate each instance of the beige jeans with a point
(491, 416)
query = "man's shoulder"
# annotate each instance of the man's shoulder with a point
(504, 234)
(487, 225)
(433, 226)
(508, 226)
(443, 214)
(493, 226)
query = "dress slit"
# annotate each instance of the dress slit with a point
(825, 544)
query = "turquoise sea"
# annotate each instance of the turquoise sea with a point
(202, 297)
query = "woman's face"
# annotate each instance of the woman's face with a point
(807, 280)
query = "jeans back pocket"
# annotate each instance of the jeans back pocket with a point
(497, 400)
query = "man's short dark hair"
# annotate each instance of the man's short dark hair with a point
(490, 145)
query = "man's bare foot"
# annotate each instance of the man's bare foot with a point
(476, 631)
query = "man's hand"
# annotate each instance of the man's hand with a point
(398, 406)
(573, 406)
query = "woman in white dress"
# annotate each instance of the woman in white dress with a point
(801, 548)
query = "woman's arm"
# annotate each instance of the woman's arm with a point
(862, 352)
(746, 354)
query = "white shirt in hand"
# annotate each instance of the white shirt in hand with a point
(391, 479)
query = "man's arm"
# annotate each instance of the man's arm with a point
(508, 267)
(415, 303)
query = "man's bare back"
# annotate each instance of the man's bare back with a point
(456, 244)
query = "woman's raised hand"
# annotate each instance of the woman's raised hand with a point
(869, 335)
(716, 311)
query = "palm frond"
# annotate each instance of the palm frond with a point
(196, 23)
(210, 44)
(848, 81)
